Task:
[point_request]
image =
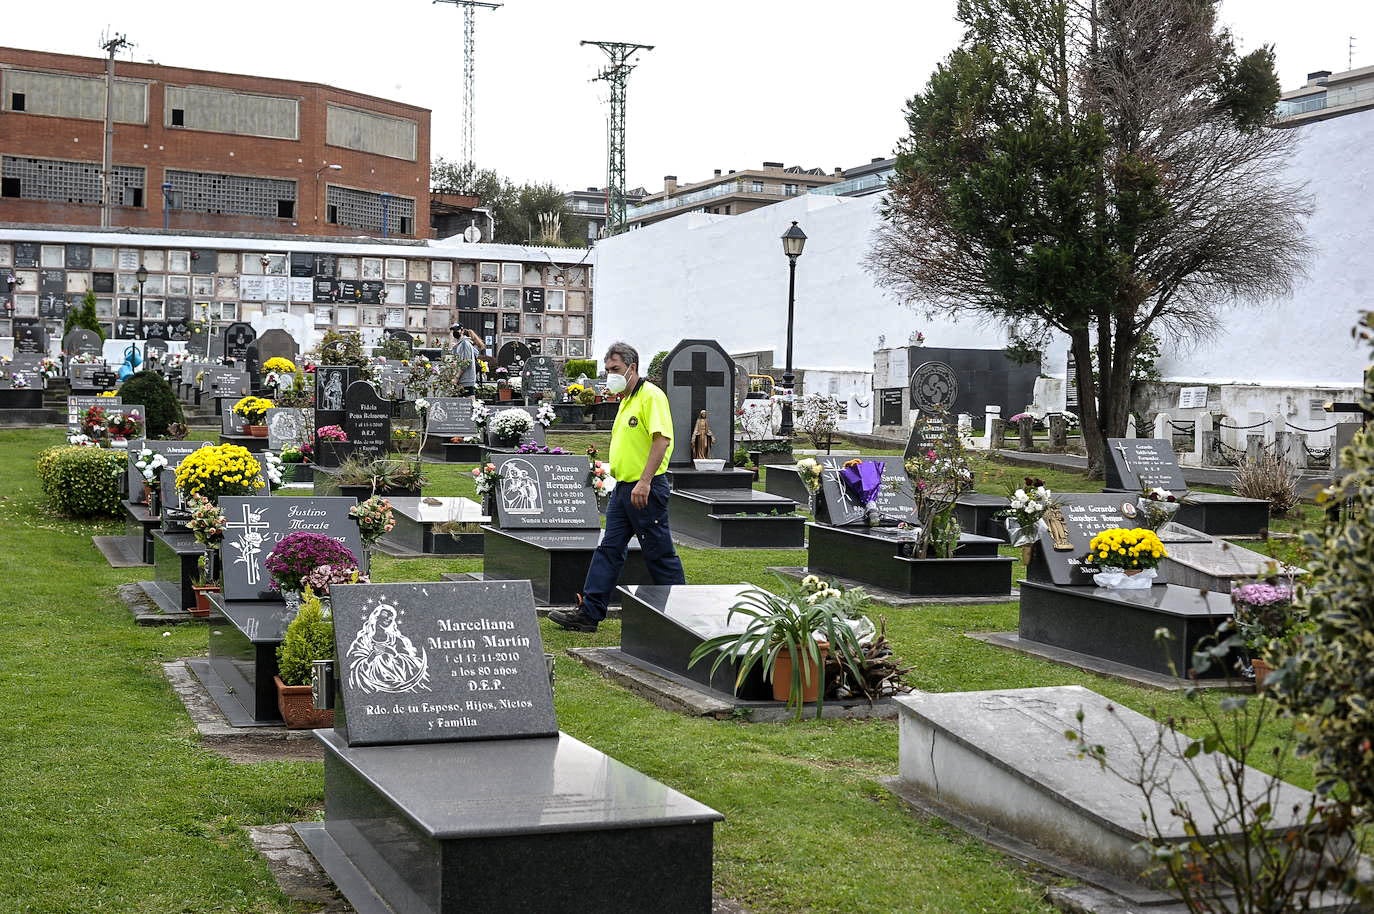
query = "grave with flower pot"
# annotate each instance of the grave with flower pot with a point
(435, 526)
(447, 781)
(545, 525)
(257, 601)
(1067, 615)
(871, 527)
(505, 429)
(1136, 465)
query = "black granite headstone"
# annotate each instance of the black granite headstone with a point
(82, 342)
(512, 353)
(405, 336)
(225, 382)
(30, 337)
(52, 282)
(276, 343)
(302, 264)
(331, 381)
(1085, 516)
(699, 374)
(440, 662)
(1136, 464)
(968, 380)
(77, 406)
(836, 505)
(174, 451)
(449, 416)
(231, 423)
(78, 257)
(539, 377)
(542, 491)
(25, 254)
(326, 265)
(256, 523)
(467, 298)
(367, 419)
(417, 293)
(237, 336)
(533, 301)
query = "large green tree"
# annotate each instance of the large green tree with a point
(1104, 169)
(531, 213)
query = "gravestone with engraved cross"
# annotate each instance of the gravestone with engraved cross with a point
(1136, 464)
(699, 374)
(257, 523)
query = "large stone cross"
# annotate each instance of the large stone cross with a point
(699, 380)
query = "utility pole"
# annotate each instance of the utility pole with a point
(111, 44)
(469, 72)
(616, 75)
(1350, 54)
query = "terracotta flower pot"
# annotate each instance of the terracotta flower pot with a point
(257, 431)
(782, 677)
(202, 607)
(297, 706)
(1262, 671)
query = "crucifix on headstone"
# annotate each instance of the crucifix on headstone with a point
(699, 381)
(250, 544)
(1125, 462)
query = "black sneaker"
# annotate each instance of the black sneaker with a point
(574, 620)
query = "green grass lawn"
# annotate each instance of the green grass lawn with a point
(109, 803)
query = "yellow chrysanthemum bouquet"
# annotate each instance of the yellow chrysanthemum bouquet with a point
(1129, 549)
(224, 469)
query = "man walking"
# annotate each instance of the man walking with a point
(641, 444)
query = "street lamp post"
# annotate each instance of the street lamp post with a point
(793, 241)
(141, 274)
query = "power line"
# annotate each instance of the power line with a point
(469, 74)
(616, 76)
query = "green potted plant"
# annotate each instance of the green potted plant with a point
(1264, 618)
(362, 477)
(787, 635)
(308, 638)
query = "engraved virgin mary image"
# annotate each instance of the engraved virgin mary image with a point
(520, 488)
(333, 395)
(381, 659)
(286, 427)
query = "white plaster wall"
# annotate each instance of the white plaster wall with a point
(1305, 339)
(725, 278)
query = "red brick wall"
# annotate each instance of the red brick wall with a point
(155, 148)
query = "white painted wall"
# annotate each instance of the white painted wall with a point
(725, 278)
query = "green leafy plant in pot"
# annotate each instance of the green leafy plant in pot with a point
(787, 634)
(308, 638)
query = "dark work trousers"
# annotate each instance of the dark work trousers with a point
(624, 520)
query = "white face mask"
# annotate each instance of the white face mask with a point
(616, 383)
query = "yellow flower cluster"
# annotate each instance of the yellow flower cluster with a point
(1128, 548)
(279, 364)
(224, 469)
(253, 409)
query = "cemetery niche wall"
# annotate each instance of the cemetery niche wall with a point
(443, 691)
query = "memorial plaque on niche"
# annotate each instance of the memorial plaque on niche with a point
(367, 419)
(1140, 463)
(890, 406)
(237, 336)
(425, 662)
(302, 264)
(417, 293)
(52, 282)
(326, 290)
(103, 282)
(78, 257)
(256, 523)
(839, 506)
(326, 266)
(534, 301)
(450, 416)
(25, 254)
(203, 263)
(538, 376)
(539, 491)
(467, 298)
(1085, 516)
(52, 305)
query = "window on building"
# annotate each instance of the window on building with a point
(17, 101)
(286, 209)
(789, 190)
(756, 186)
(9, 187)
(332, 214)
(178, 117)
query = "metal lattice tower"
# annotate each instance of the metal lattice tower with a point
(469, 72)
(111, 45)
(616, 75)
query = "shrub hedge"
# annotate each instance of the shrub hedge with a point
(83, 481)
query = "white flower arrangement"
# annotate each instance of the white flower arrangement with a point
(511, 423)
(546, 416)
(18, 381)
(480, 414)
(810, 470)
(80, 440)
(150, 464)
(50, 368)
(273, 468)
(421, 404)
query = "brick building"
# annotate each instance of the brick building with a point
(206, 151)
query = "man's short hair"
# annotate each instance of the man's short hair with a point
(627, 353)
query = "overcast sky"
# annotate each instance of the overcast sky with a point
(728, 84)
